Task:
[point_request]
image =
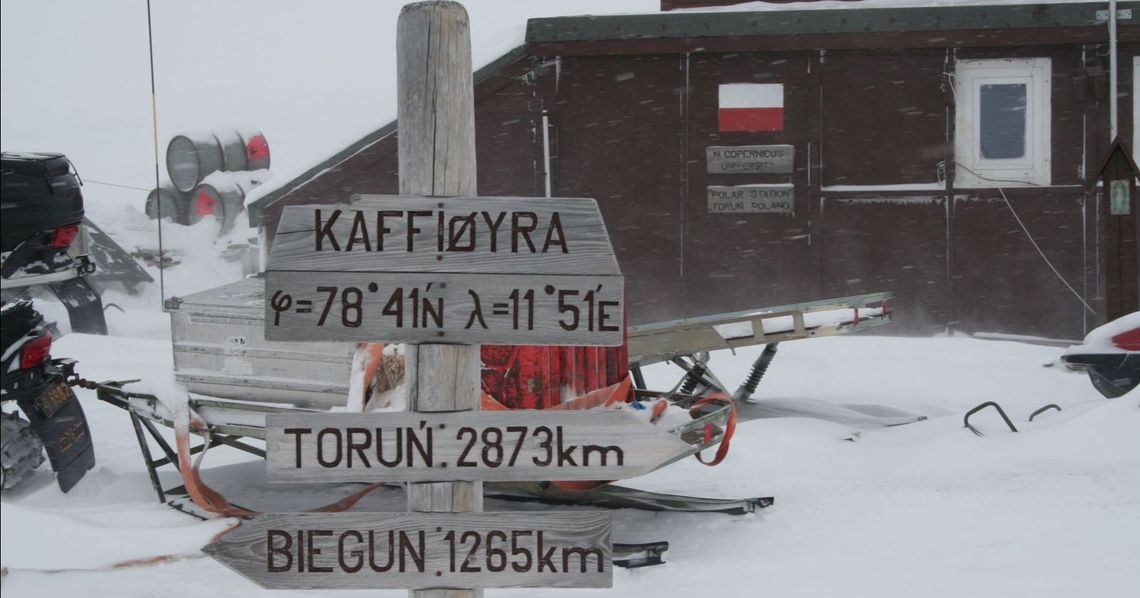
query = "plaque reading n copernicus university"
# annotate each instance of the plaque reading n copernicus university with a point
(752, 199)
(750, 159)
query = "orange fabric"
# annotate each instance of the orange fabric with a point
(488, 403)
(211, 500)
(372, 355)
(729, 426)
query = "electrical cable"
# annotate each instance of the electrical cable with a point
(969, 138)
(116, 185)
(1042, 253)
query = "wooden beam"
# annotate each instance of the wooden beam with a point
(436, 111)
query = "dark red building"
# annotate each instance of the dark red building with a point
(744, 159)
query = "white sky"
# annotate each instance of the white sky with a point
(314, 76)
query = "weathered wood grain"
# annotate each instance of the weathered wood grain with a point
(519, 309)
(331, 550)
(436, 150)
(487, 234)
(486, 446)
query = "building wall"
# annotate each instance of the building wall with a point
(631, 131)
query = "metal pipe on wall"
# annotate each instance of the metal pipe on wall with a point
(546, 150)
(1112, 103)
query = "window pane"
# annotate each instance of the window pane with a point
(1003, 120)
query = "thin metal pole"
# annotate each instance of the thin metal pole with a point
(1112, 108)
(546, 150)
(154, 128)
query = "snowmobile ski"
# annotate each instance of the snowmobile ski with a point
(645, 554)
(612, 496)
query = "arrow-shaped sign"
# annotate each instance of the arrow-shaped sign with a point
(420, 550)
(497, 446)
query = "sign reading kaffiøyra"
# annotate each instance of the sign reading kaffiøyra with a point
(470, 445)
(421, 550)
(455, 270)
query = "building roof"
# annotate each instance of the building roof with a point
(781, 29)
(911, 25)
(255, 208)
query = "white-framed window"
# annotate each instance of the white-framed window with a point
(1002, 129)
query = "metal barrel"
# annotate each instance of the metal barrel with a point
(233, 150)
(222, 196)
(256, 149)
(165, 201)
(190, 158)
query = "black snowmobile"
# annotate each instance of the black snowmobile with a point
(38, 384)
(41, 222)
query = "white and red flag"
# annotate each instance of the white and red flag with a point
(751, 107)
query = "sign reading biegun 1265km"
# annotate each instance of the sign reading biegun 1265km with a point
(445, 270)
(468, 445)
(420, 550)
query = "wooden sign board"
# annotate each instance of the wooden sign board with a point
(300, 551)
(752, 199)
(497, 446)
(750, 159)
(445, 270)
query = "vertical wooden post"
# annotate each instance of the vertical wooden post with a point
(437, 158)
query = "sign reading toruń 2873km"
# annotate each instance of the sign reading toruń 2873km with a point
(467, 445)
(451, 270)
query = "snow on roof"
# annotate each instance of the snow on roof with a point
(842, 5)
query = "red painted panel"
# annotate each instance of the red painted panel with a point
(529, 377)
(750, 119)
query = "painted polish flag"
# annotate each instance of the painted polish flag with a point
(751, 107)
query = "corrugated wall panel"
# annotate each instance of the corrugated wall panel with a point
(893, 243)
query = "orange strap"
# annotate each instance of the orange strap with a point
(729, 426)
(366, 362)
(211, 500)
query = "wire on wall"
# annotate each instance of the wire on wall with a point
(968, 134)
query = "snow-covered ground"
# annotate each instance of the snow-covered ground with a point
(927, 509)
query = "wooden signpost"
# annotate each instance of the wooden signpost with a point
(491, 446)
(418, 550)
(439, 265)
(487, 270)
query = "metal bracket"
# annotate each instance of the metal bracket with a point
(1043, 410)
(966, 419)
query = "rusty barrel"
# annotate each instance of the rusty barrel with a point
(256, 149)
(191, 157)
(221, 196)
